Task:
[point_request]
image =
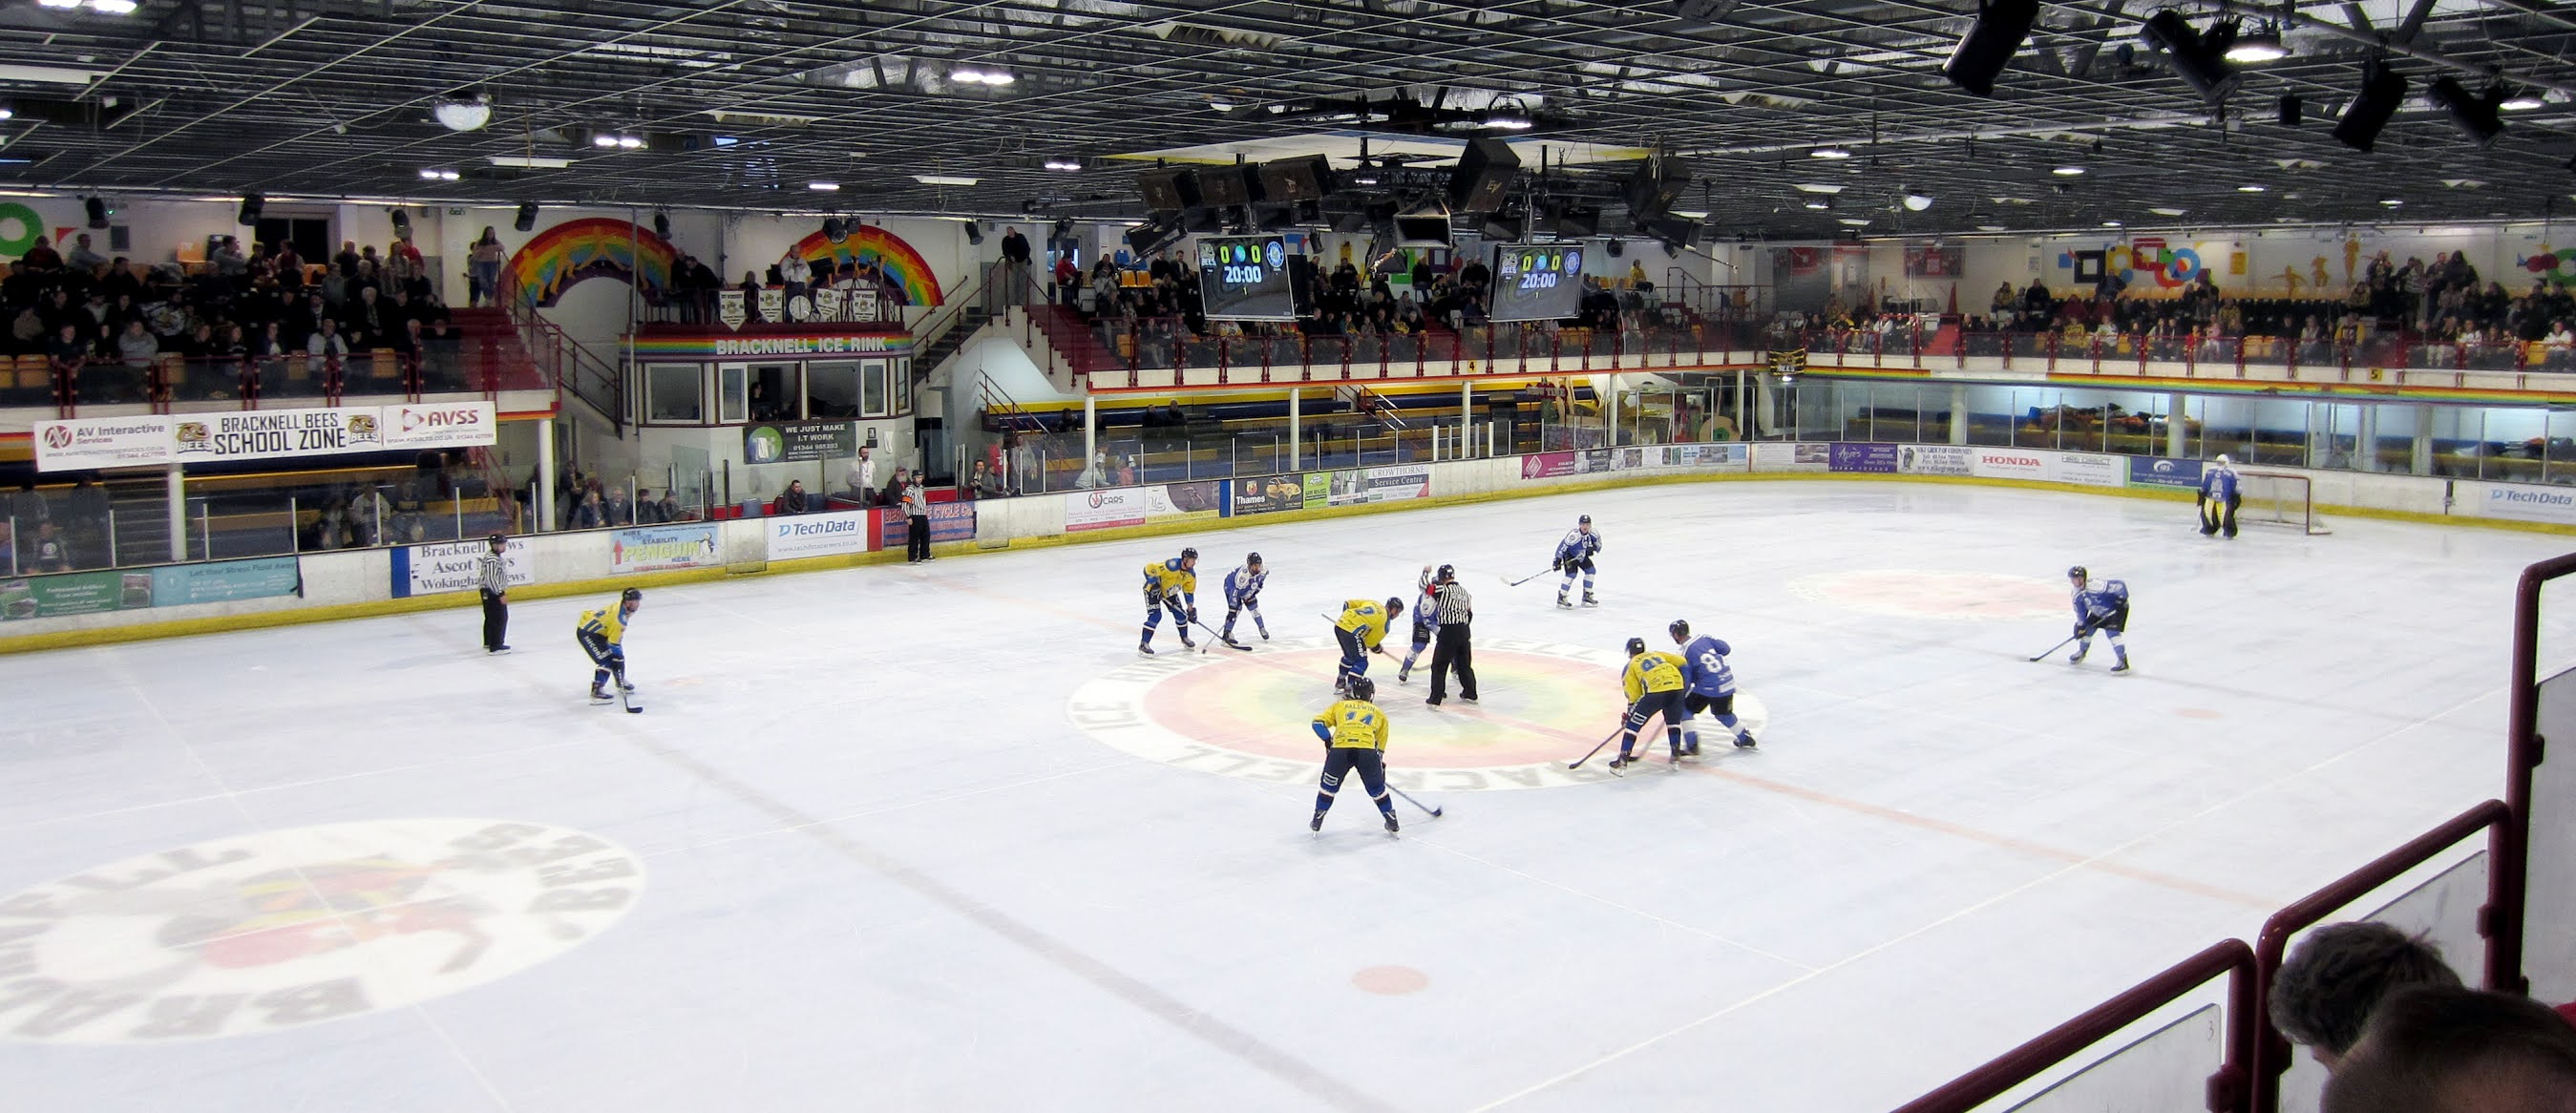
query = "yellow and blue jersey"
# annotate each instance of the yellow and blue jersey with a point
(1352, 724)
(1365, 618)
(1168, 579)
(1652, 671)
(608, 623)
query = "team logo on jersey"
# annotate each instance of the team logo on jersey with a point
(1247, 714)
(277, 930)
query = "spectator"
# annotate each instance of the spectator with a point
(668, 510)
(893, 493)
(85, 511)
(975, 482)
(2332, 980)
(863, 476)
(2446, 1049)
(42, 256)
(1068, 279)
(647, 511)
(28, 507)
(587, 514)
(325, 349)
(49, 552)
(407, 511)
(994, 482)
(81, 258)
(136, 347)
(616, 511)
(68, 351)
(792, 500)
(483, 268)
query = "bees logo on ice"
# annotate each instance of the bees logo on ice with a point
(1247, 714)
(277, 930)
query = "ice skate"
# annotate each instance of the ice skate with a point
(1390, 822)
(1589, 601)
(1317, 823)
(1744, 741)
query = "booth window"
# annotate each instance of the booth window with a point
(873, 388)
(733, 389)
(776, 395)
(902, 386)
(834, 388)
(672, 393)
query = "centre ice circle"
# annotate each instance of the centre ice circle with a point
(1542, 705)
(277, 930)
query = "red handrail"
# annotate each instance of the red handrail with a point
(2524, 750)
(2226, 1089)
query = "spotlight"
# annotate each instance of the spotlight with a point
(1916, 202)
(250, 207)
(2382, 90)
(2193, 59)
(2258, 46)
(824, 187)
(2477, 115)
(1989, 45)
(662, 224)
(527, 221)
(402, 223)
(629, 142)
(463, 113)
(1505, 119)
(835, 230)
(1821, 204)
(6, 112)
(113, 7)
(2249, 189)
(603, 140)
(2392, 202)
(97, 211)
(2115, 224)
(980, 75)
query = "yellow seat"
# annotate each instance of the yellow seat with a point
(384, 365)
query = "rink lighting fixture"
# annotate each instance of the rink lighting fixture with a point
(1990, 228)
(1817, 187)
(1829, 152)
(824, 187)
(2392, 202)
(1063, 164)
(2068, 171)
(944, 180)
(6, 112)
(463, 114)
(432, 174)
(2115, 224)
(2168, 212)
(2523, 101)
(1507, 120)
(1916, 202)
(2249, 189)
(1220, 106)
(1854, 221)
(113, 7)
(528, 162)
(1820, 206)
(617, 141)
(1365, 179)
(978, 75)
(2258, 46)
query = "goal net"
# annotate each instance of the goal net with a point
(2277, 499)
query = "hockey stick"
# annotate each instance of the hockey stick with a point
(1215, 638)
(1510, 582)
(1596, 748)
(2083, 633)
(625, 698)
(1435, 812)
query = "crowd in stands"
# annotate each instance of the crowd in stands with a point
(85, 311)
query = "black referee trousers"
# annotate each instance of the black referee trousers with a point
(1451, 649)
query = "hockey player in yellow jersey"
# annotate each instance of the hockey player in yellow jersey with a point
(1353, 731)
(1654, 682)
(1361, 628)
(602, 634)
(1174, 585)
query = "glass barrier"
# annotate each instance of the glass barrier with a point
(2439, 901)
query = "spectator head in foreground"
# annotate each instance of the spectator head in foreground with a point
(2445, 1049)
(2332, 980)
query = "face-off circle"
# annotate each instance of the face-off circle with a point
(1942, 596)
(1248, 714)
(272, 931)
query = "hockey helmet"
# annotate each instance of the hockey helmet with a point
(1252, 559)
(1636, 646)
(1680, 630)
(1584, 520)
(2078, 574)
(631, 595)
(1447, 573)
(1363, 688)
(2222, 459)
(1189, 554)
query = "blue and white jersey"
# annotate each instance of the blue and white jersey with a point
(1243, 584)
(1708, 672)
(2094, 604)
(2218, 481)
(1578, 545)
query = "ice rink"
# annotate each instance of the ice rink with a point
(936, 838)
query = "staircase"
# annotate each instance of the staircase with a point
(956, 330)
(493, 348)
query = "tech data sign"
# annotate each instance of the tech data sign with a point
(160, 439)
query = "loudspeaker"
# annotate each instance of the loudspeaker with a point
(1657, 183)
(251, 204)
(2480, 118)
(1203, 221)
(1228, 186)
(527, 221)
(1169, 189)
(1352, 222)
(1576, 222)
(1154, 235)
(1988, 47)
(662, 224)
(1422, 230)
(1304, 178)
(1674, 233)
(1507, 229)
(834, 230)
(974, 232)
(1618, 248)
(2291, 110)
(2382, 91)
(97, 210)
(1484, 176)
(402, 223)
(2200, 67)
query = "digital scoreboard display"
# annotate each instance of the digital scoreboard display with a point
(1537, 282)
(1250, 278)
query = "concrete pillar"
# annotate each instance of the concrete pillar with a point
(1296, 442)
(1466, 416)
(2423, 462)
(1958, 414)
(1610, 410)
(2177, 432)
(1090, 429)
(546, 479)
(2365, 437)
(177, 491)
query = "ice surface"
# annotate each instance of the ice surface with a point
(882, 868)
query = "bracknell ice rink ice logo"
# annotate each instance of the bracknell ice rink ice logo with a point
(1247, 714)
(271, 931)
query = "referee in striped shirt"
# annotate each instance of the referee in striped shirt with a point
(1449, 601)
(493, 573)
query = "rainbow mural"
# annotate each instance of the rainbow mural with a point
(871, 244)
(565, 255)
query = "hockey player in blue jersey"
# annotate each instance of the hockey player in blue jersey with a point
(1575, 554)
(1171, 584)
(2218, 497)
(2104, 609)
(1712, 686)
(1242, 594)
(1426, 625)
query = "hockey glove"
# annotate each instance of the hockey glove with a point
(1194, 616)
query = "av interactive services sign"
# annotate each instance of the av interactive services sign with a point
(102, 442)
